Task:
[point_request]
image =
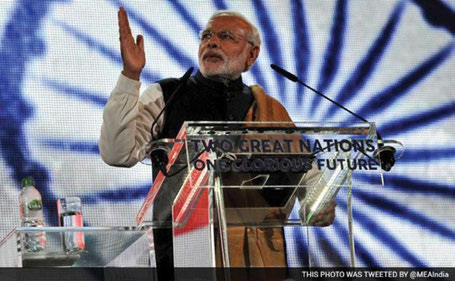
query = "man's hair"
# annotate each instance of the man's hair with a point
(254, 37)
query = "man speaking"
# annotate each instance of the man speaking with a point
(229, 45)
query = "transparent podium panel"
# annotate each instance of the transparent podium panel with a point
(100, 247)
(226, 175)
(258, 149)
(263, 167)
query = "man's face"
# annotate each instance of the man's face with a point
(226, 59)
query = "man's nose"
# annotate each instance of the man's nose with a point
(213, 42)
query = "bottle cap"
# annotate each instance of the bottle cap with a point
(27, 181)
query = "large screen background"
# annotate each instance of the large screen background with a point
(391, 62)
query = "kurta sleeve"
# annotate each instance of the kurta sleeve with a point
(127, 121)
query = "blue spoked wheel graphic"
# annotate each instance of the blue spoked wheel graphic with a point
(391, 62)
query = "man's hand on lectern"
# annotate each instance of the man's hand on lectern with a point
(326, 216)
(133, 54)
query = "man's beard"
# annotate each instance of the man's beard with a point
(222, 74)
(228, 71)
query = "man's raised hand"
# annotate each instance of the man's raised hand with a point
(133, 55)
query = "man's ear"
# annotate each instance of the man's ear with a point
(253, 54)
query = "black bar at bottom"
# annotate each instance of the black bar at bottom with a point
(220, 274)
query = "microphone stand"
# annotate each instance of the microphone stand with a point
(158, 153)
(386, 154)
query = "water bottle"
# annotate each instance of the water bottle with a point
(31, 214)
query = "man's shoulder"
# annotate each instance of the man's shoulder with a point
(168, 82)
(267, 108)
(168, 85)
(260, 94)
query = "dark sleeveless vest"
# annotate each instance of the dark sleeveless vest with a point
(202, 99)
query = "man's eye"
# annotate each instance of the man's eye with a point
(206, 35)
(225, 36)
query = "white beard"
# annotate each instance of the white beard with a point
(228, 71)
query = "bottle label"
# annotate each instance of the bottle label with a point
(35, 205)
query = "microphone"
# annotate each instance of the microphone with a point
(385, 153)
(158, 153)
(283, 72)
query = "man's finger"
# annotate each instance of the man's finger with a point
(140, 41)
(119, 19)
(123, 24)
(127, 23)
